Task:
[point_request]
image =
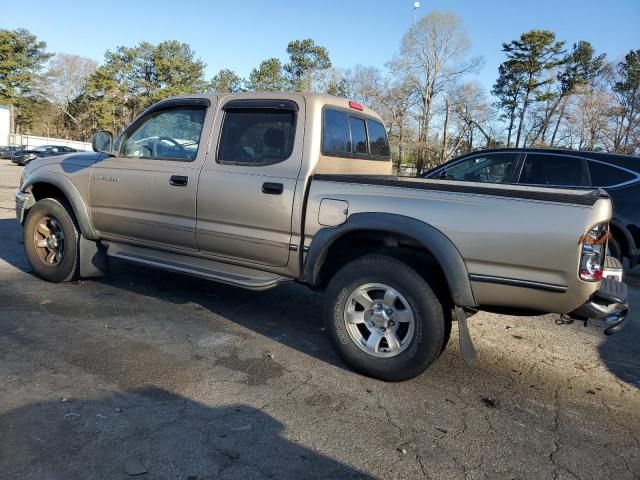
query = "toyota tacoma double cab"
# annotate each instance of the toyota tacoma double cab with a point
(259, 189)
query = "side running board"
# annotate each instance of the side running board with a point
(198, 267)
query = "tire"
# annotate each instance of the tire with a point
(400, 356)
(54, 256)
(614, 248)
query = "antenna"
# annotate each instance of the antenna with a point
(416, 6)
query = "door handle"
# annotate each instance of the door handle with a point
(272, 188)
(179, 180)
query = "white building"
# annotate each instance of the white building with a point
(5, 124)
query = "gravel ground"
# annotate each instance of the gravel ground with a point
(191, 380)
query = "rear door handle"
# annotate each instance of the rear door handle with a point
(179, 180)
(272, 188)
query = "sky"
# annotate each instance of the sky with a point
(240, 34)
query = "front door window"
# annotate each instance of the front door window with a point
(168, 134)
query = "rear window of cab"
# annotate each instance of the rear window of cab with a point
(353, 136)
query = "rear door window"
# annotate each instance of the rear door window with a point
(336, 135)
(257, 136)
(604, 175)
(554, 170)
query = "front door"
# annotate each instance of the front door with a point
(146, 194)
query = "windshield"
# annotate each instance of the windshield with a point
(42, 148)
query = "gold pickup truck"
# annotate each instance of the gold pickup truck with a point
(259, 189)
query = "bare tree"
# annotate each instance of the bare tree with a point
(65, 80)
(587, 124)
(473, 109)
(434, 54)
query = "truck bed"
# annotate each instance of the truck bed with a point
(585, 197)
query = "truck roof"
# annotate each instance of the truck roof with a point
(311, 99)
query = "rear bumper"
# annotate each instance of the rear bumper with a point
(608, 304)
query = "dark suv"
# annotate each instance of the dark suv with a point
(619, 175)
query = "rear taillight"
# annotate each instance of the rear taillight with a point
(594, 248)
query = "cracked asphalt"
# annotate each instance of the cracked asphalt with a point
(194, 380)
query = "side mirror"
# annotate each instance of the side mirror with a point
(102, 141)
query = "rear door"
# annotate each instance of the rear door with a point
(147, 193)
(247, 185)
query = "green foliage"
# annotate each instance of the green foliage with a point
(627, 88)
(530, 57)
(227, 80)
(580, 67)
(306, 59)
(133, 78)
(629, 72)
(268, 77)
(22, 58)
(339, 88)
(507, 90)
(525, 74)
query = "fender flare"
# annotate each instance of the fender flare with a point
(432, 239)
(71, 193)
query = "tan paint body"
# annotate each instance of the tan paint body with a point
(222, 216)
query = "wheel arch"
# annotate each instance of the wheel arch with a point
(50, 185)
(421, 235)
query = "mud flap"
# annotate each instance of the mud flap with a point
(466, 344)
(93, 259)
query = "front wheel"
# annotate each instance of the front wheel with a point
(384, 319)
(51, 240)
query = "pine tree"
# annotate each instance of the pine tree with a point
(529, 60)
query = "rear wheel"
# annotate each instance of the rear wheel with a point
(51, 240)
(384, 319)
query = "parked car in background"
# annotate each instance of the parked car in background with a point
(6, 152)
(619, 175)
(22, 157)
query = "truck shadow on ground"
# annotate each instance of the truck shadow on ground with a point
(163, 433)
(289, 314)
